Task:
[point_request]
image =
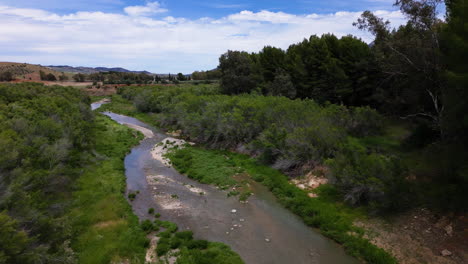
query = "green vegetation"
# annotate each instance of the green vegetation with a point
(333, 220)
(410, 74)
(286, 134)
(6, 76)
(63, 180)
(192, 251)
(46, 134)
(189, 249)
(104, 227)
(47, 76)
(205, 167)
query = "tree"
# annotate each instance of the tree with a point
(410, 61)
(13, 243)
(454, 46)
(181, 77)
(43, 75)
(271, 59)
(455, 51)
(236, 73)
(282, 85)
(63, 77)
(51, 77)
(6, 76)
(79, 77)
(97, 77)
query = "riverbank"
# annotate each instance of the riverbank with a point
(104, 226)
(164, 244)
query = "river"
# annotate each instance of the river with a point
(260, 231)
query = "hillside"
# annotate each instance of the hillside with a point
(87, 70)
(25, 71)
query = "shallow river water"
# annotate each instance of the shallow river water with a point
(260, 231)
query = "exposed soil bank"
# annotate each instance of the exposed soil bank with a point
(260, 231)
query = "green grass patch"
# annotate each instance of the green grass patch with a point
(104, 226)
(209, 167)
(194, 251)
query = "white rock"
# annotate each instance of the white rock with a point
(267, 240)
(233, 211)
(446, 253)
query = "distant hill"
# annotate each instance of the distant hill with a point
(25, 71)
(87, 70)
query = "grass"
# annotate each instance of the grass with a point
(190, 250)
(332, 218)
(104, 226)
(209, 167)
(187, 249)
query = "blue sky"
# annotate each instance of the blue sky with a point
(215, 9)
(168, 35)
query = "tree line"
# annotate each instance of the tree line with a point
(129, 78)
(415, 73)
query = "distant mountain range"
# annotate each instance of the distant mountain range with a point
(87, 70)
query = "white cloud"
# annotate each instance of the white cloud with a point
(137, 41)
(149, 9)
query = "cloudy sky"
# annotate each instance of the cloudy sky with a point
(168, 35)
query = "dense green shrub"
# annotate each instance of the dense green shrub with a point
(184, 235)
(162, 248)
(45, 140)
(369, 179)
(147, 226)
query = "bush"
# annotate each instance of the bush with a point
(369, 178)
(365, 122)
(147, 226)
(151, 211)
(162, 249)
(132, 196)
(6, 76)
(175, 243)
(197, 244)
(184, 235)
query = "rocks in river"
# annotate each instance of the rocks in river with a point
(445, 253)
(242, 219)
(233, 211)
(267, 240)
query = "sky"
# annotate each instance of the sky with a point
(168, 35)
